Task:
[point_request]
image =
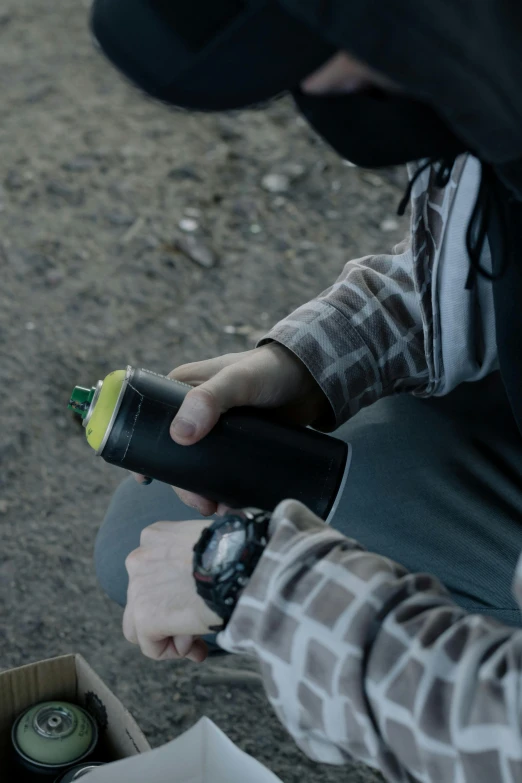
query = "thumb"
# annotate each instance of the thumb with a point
(203, 405)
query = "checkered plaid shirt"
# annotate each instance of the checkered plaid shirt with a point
(361, 659)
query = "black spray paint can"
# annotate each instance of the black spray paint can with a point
(248, 459)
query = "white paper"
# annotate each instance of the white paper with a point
(203, 754)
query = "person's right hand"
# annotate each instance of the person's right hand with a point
(267, 377)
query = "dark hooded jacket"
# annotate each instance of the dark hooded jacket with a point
(464, 59)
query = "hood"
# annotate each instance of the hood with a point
(464, 59)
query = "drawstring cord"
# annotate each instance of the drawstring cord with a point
(443, 176)
(485, 205)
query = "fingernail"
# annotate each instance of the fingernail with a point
(183, 645)
(183, 428)
(146, 481)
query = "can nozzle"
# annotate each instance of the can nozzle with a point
(98, 406)
(81, 399)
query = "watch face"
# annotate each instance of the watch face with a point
(224, 548)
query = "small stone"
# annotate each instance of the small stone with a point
(228, 129)
(188, 225)
(81, 163)
(372, 179)
(4, 506)
(389, 225)
(255, 228)
(293, 171)
(70, 195)
(219, 152)
(279, 202)
(276, 183)
(14, 180)
(244, 329)
(193, 212)
(128, 151)
(196, 251)
(30, 326)
(332, 214)
(172, 323)
(184, 173)
(168, 261)
(336, 186)
(120, 219)
(54, 277)
(37, 95)
(306, 245)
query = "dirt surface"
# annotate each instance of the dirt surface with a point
(95, 180)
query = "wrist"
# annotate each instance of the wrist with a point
(210, 621)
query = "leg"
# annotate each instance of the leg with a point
(435, 485)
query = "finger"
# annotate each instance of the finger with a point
(196, 373)
(183, 644)
(222, 509)
(157, 649)
(140, 478)
(198, 652)
(205, 507)
(129, 627)
(202, 407)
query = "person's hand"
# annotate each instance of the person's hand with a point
(267, 377)
(164, 612)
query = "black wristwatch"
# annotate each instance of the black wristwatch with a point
(225, 558)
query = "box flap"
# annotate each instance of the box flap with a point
(203, 754)
(121, 732)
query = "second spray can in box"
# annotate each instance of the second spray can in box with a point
(248, 459)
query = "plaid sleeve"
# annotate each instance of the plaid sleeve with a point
(362, 338)
(380, 329)
(363, 660)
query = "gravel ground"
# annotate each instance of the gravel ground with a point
(134, 235)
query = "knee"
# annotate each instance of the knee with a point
(118, 535)
(109, 565)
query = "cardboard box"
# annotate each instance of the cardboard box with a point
(69, 678)
(203, 754)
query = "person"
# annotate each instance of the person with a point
(412, 357)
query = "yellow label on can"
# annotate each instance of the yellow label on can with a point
(104, 408)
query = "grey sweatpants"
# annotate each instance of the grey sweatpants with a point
(434, 484)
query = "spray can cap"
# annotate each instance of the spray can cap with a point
(81, 399)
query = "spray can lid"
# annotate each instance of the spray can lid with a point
(54, 734)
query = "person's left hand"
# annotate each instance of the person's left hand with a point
(164, 612)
